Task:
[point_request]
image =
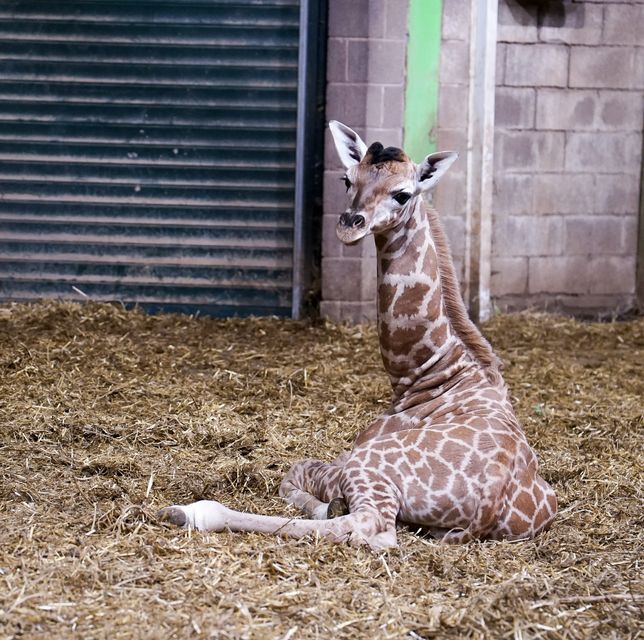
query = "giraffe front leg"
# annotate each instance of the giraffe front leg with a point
(311, 484)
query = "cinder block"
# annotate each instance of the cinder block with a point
(357, 60)
(637, 81)
(454, 140)
(630, 229)
(455, 230)
(594, 235)
(393, 106)
(368, 276)
(453, 106)
(563, 274)
(613, 275)
(521, 236)
(509, 276)
(529, 65)
(605, 152)
(513, 194)
(566, 109)
(617, 193)
(602, 67)
(620, 111)
(517, 21)
(336, 61)
(624, 24)
(358, 312)
(564, 193)
(514, 108)
(330, 310)
(349, 18)
(331, 246)
(449, 196)
(571, 23)
(375, 106)
(524, 150)
(501, 50)
(341, 279)
(396, 19)
(387, 62)
(347, 103)
(456, 21)
(454, 65)
(388, 136)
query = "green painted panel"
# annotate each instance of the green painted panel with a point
(423, 63)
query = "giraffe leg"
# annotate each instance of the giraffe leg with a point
(366, 526)
(311, 484)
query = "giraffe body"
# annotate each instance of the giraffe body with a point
(449, 455)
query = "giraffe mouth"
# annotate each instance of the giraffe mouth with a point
(350, 235)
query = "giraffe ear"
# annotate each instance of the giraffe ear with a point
(433, 168)
(348, 144)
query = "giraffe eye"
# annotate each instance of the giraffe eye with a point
(402, 197)
(347, 182)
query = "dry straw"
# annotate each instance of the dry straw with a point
(107, 415)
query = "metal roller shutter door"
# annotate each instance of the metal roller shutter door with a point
(147, 152)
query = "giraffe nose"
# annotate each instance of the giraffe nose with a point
(352, 220)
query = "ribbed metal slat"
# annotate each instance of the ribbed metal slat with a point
(147, 152)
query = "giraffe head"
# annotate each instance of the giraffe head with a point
(382, 183)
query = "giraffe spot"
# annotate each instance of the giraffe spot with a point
(410, 300)
(525, 503)
(430, 264)
(474, 466)
(434, 304)
(542, 517)
(552, 502)
(454, 453)
(517, 525)
(459, 487)
(440, 475)
(403, 340)
(439, 334)
(423, 354)
(538, 494)
(413, 457)
(386, 293)
(396, 244)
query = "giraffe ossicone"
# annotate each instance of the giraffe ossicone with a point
(449, 455)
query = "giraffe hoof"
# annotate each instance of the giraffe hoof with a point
(173, 515)
(337, 507)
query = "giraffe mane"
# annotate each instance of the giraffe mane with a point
(460, 321)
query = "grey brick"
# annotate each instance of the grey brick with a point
(334, 200)
(454, 65)
(349, 18)
(571, 23)
(617, 193)
(563, 274)
(513, 194)
(453, 106)
(331, 246)
(396, 19)
(358, 312)
(566, 109)
(357, 60)
(594, 235)
(377, 18)
(527, 236)
(456, 21)
(620, 110)
(638, 64)
(449, 195)
(375, 106)
(455, 229)
(393, 106)
(624, 24)
(330, 310)
(347, 103)
(509, 276)
(454, 140)
(564, 193)
(514, 108)
(523, 150)
(341, 279)
(605, 152)
(387, 62)
(613, 275)
(544, 65)
(630, 228)
(501, 51)
(336, 61)
(601, 67)
(388, 136)
(517, 21)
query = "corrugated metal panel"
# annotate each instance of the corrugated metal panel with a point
(147, 152)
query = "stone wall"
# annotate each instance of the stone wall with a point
(367, 49)
(568, 141)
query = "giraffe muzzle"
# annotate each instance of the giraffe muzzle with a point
(352, 221)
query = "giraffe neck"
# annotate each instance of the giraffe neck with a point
(414, 328)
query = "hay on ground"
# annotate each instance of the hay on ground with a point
(106, 415)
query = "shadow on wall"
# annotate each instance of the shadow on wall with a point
(555, 13)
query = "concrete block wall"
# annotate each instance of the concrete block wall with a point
(568, 141)
(367, 49)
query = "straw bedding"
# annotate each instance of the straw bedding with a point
(107, 415)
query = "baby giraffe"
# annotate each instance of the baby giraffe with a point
(449, 456)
